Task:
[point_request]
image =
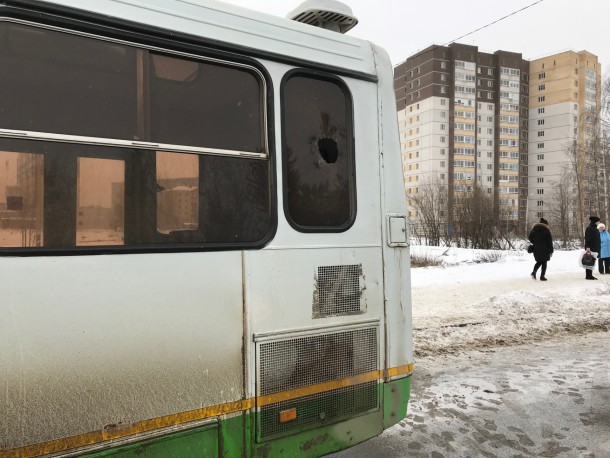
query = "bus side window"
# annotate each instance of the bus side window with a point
(21, 199)
(100, 197)
(318, 153)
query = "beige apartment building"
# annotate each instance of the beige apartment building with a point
(565, 100)
(494, 120)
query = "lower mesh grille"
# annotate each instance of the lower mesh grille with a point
(320, 408)
(309, 360)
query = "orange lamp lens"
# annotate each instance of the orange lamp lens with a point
(288, 415)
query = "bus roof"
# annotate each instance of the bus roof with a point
(262, 34)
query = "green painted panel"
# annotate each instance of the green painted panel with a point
(395, 399)
(235, 433)
(323, 440)
(199, 442)
(234, 436)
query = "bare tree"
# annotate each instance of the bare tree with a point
(561, 207)
(474, 222)
(430, 203)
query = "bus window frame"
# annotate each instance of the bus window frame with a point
(171, 48)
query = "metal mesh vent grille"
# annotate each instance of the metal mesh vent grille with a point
(320, 408)
(294, 363)
(338, 291)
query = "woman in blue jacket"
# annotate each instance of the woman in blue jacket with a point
(604, 254)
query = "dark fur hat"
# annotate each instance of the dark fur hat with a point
(544, 221)
(593, 219)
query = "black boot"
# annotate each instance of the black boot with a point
(542, 278)
(533, 275)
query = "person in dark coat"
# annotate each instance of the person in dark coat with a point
(541, 238)
(592, 242)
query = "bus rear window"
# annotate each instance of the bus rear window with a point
(318, 153)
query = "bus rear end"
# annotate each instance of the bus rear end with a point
(203, 238)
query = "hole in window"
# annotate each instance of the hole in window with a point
(177, 192)
(100, 202)
(328, 150)
(21, 199)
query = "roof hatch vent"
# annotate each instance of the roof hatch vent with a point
(327, 14)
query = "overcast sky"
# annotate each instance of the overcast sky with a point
(404, 27)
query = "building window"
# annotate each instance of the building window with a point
(541, 76)
(541, 133)
(442, 139)
(490, 83)
(489, 154)
(540, 168)
(443, 102)
(539, 191)
(540, 180)
(490, 95)
(540, 110)
(489, 178)
(541, 87)
(490, 71)
(540, 122)
(540, 145)
(540, 157)
(442, 164)
(443, 64)
(442, 151)
(443, 114)
(489, 166)
(443, 126)
(541, 99)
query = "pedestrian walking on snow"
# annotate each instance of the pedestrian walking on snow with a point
(604, 253)
(541, 239)
(592, 242)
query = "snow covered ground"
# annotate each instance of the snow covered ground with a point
(467, 304)
(505, 366)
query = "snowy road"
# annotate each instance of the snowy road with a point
(547, 399)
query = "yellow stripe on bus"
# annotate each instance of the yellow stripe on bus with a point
(120, 432)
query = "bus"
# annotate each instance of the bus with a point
(203, 232)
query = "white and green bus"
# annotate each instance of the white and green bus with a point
(203, 246)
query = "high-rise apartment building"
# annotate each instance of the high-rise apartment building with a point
(463, 122)
(565, 101)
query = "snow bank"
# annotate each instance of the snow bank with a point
(467, 304)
